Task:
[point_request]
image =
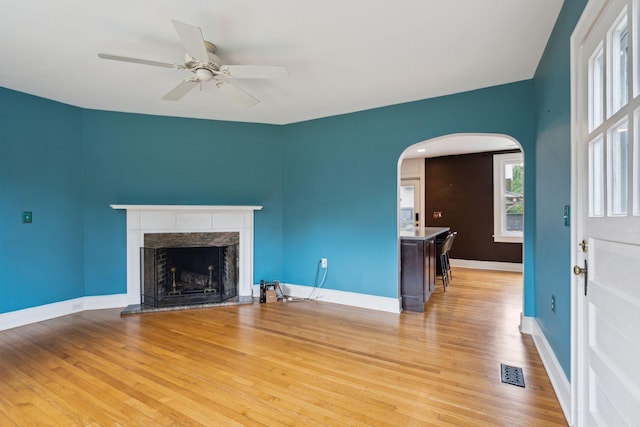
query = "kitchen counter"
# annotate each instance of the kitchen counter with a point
(423, 233)
(418, 266)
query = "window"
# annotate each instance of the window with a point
(619, 65)
(614, 147)
(508, 197)
(596, 89)
(596, 177)
(618, 169)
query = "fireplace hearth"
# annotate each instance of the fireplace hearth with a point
(182, 269)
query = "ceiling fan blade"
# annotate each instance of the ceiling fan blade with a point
(192, 40)
(238, 94)
(181, 90)
(139, 61)
(254, 71)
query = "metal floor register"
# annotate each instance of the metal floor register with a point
(512, 375)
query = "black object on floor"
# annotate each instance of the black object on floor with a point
(512, 375)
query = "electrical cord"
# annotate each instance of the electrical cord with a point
(316, 285)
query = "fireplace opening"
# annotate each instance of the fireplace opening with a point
(189, 268)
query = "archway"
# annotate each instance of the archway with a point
(456, 176)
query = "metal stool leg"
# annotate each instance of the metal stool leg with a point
(443, 273)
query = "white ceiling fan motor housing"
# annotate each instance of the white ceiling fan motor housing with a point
(204, 71)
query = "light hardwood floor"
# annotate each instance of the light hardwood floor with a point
(297, 363)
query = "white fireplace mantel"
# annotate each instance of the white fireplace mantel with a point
(142, 219)
(187, 207)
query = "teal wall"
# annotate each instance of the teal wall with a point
(340, 182)
(67, 165)
(139, 159)
(552, 86)
(328, 186)
(40, 171)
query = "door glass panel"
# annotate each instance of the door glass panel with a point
(623, 61)
(636, 62)
(636, 165)
(619, 63)
(596, 89)
(618, 169)
(596, 177)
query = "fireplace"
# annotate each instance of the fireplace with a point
(191, 226)
(181, 269)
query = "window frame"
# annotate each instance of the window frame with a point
(500, 233)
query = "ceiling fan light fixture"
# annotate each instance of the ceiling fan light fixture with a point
(204, 75)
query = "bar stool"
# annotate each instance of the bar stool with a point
(453, 235)
(442, 253)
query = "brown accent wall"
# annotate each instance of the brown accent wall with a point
(461, 187)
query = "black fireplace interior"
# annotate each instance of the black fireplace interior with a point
(187, 275)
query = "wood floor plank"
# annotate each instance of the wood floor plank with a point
(283, 364)
(66, 384)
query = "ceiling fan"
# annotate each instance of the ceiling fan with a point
(201, 60)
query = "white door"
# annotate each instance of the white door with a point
(410, 216)
(606, 188)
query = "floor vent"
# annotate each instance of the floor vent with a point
(512, 375)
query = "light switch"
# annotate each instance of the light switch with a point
(27, 217)
(567, 215)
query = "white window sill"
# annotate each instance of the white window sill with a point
(507, 239)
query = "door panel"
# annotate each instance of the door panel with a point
(608, 303)
(610, 332)
(616, 265)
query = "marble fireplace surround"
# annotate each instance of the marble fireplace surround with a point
(142, 219)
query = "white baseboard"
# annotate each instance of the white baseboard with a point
(26, 316)
(13, 319)
(105, 301)
(372, 302)
(487, 265)
(559, 381)
(526, 324)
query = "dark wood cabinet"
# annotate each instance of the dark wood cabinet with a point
(418, 268)
(417, 273)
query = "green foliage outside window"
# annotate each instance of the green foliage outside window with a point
(517, 186)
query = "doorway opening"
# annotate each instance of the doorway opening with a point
(455, 178)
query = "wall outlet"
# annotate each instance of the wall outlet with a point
(323, 262)
(77, 306)
(553, 303)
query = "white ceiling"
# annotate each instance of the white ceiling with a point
(342, 55)
(452, 145)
